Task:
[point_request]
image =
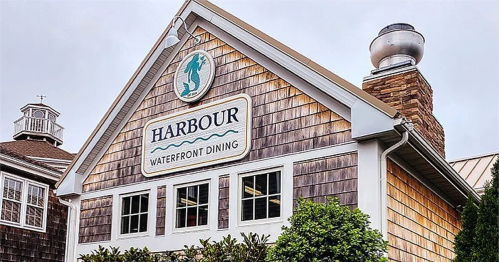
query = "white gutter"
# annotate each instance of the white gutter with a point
(382, 180)
(70, 254)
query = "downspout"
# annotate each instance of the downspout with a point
(382, 180)
(70, 254)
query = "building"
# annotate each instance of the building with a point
(33, 221)
(476, 170)
(222, 128)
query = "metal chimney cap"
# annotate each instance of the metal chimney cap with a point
(397, 43)
(395, 27)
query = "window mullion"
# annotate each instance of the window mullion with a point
(2, 182)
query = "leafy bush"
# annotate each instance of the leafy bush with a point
(328, 232)
(253, 248)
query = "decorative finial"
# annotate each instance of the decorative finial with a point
(41, 98)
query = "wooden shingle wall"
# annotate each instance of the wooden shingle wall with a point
(334, 176)
(17, 244)
(285, 120)
(421, 226)
(161, 211)
(96, 219)
(223, 202)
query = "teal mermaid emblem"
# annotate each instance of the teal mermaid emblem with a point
(192, 69)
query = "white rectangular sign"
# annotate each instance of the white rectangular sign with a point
(206, 135)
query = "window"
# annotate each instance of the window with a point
(23, 202)
(192, 206)
(39, 114)
(261, 196)
(134, 209)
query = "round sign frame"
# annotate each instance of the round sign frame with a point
(202, 90)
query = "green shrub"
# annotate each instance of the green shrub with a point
(253, 248)
(328, 232)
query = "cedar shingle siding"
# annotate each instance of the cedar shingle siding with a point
(17, 244)
(285, 120)
(223, 202)
(334, 176)
(421, 226)
(161, 211)
(96, 219)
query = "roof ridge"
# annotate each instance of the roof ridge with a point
(473, 157)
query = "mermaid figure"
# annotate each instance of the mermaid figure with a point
(192, 69)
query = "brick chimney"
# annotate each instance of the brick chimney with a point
(397, 81)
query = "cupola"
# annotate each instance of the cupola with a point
(39, 122)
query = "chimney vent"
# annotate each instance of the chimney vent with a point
(397, 43)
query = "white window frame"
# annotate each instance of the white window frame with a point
(193, 228)
(137, 234)
(24, 202)
(241, 222)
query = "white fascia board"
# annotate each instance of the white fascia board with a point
(51, 160)
(29, 167)
(367, 121)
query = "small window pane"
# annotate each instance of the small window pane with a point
(11, 211)
(134, 223)
(181, 197)
(203, 194)
(261, 185)
(181, 218)
(125, 208)
(275, 206)
(274, 183)
(12, 189)
(191, 216)
(143, 223)
(36, 195)
(144, 203)
(125, 223)
(248, 189)
(247, 210)
(135, 204)
(193, 196)
(34, 216)
(203, 216)
(261, 208)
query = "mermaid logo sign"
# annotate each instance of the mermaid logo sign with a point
(204, 135)
(194, 76)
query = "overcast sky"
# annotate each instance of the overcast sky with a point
(80, 54)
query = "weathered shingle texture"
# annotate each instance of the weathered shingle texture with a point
(96, 219)
(285, 120)
(421, 226)
(333, 176)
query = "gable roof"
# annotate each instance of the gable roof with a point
(157, 56)
(476, 170)
(36, 148)
(13, 159)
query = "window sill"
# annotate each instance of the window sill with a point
(12, 224)
(190, 230)
(132, 235)
(260, 222)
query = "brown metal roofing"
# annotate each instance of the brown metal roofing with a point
(476, 170)
(36, 148)
(8, 152)
(390, 111)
